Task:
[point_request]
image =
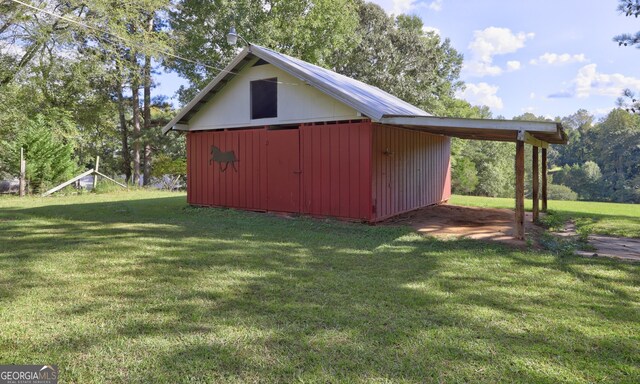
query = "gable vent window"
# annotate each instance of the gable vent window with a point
(264, 98)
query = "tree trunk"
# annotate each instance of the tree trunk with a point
(135, 99)
(147, 109)
(124, 134)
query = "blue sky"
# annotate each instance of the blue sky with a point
(547, 57)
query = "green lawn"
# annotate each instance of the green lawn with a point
(139, 288)
(590, 217)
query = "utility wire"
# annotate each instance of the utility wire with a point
(118, 37)
(132, 42)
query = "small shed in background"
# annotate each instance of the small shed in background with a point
(275, 133)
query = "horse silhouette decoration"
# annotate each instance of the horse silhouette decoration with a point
(227, 158)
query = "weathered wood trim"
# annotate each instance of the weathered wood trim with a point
(519, 214)
(108, 178)
(535, 174)
(23, 174)
(529, 139)
(95, 174)
(69, 182)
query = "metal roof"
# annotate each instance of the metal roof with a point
(366, 99)
(372, 102)
(484, 129)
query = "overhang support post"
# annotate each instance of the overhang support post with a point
(544, 180)
(535, 184)
(519, 217)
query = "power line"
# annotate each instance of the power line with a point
(132, 42)
(119, 37)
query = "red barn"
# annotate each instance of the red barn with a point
(275, 133)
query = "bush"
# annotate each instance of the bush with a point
(168, 171)
(49, 156)
(560, 192)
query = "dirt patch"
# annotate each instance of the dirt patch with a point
(453, 221)
(623, 248)
(618, 247)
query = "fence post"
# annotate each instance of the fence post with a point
(95, 175)
(23, 172)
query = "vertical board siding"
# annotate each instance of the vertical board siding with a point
(283, 159)
(335, 160)
(415, 173)
(335, 165)
(245, 188)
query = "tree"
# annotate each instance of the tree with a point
(168, 171)
(47, 148)
(394, 54)
(629, 8)
(307, 29)
(137, 37)
(628, 101)
(32, 33)
(464, 178)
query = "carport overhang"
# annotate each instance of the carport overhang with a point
(539, 134)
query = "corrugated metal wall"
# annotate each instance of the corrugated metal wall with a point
(336, 170)
(410, 170)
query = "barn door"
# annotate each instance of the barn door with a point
(283, 176)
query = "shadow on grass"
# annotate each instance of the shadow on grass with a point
(153, 291)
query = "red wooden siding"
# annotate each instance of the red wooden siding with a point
(336, 170)
(283, 159)
(207, 184)
(414, 172)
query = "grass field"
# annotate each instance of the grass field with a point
(590, 217)
(139, 288)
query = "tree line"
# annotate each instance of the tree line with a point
(78, 79)
(601, 161)
(82, 74)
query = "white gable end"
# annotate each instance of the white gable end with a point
(297, 103)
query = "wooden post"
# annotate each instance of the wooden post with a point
(520, 190)
(544, 180)
(535, 185)
(23, 172)
(95, 175)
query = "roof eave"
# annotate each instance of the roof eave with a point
(487, 129)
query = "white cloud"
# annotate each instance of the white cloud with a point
(589, 81)
(427, 29)
(513, 65)
(397, 7)
(436, 5)
(532, 95)
(490, 42)
(480, 69)
(482, 94)
(559, 59)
